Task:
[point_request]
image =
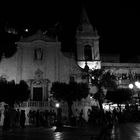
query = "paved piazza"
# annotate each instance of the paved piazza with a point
(48, 134)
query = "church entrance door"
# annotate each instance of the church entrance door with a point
(37, 94)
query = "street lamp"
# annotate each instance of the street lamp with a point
(137, 83)
(57, 105)
(131, 86)
(59, 116)
(135, 87)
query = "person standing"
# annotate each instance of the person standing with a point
(37, 116)
(17, 118)
(6, 123)
(22, 119)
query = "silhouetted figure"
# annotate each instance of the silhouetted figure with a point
(81, 119)
(41, 119)
(22, 119)
(6, 123)
(46, 114)
(89, 117)
(76, 117)
(13, 118)
(37, 118)
(17, 118)
(59, 119)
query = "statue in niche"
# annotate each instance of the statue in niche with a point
(38, 54)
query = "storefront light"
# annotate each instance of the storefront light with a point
(137, 83)
(131, 86)
(57, 105)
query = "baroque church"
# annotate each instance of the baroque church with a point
(40, 62)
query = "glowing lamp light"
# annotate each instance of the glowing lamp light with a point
(57, 105)
(131, 86)
(26, 30)
(93, 77)
(90, 97)
(137, 84)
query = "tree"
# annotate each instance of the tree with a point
(22, 92)
(102, 80)
(8, 39)
(69, 92)
(12, 93)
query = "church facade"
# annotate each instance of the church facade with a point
(40, 62)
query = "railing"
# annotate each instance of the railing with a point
(50, 104)
(37, 104)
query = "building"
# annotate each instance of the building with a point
(40, 62)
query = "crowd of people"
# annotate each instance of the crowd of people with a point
(15, 118)
(131, 113)
(46, 118)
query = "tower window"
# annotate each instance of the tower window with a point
(88, 53)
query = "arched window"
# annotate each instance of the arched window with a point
(88, 53)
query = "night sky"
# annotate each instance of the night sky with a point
(117, 23)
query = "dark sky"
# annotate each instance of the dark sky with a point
(117, 23)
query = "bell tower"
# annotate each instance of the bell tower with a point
(87, 43)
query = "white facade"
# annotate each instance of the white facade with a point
(39, 61)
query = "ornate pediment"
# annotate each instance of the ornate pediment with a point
(37, 82)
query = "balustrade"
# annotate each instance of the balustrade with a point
(36, 104)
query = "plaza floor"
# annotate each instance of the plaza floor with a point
(41, 133)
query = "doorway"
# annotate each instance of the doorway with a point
(37, 94)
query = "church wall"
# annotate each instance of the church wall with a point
(64, 68)
(27, 63)
(47, 65)
(80, 51)
(54, 64)
(50, 68)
